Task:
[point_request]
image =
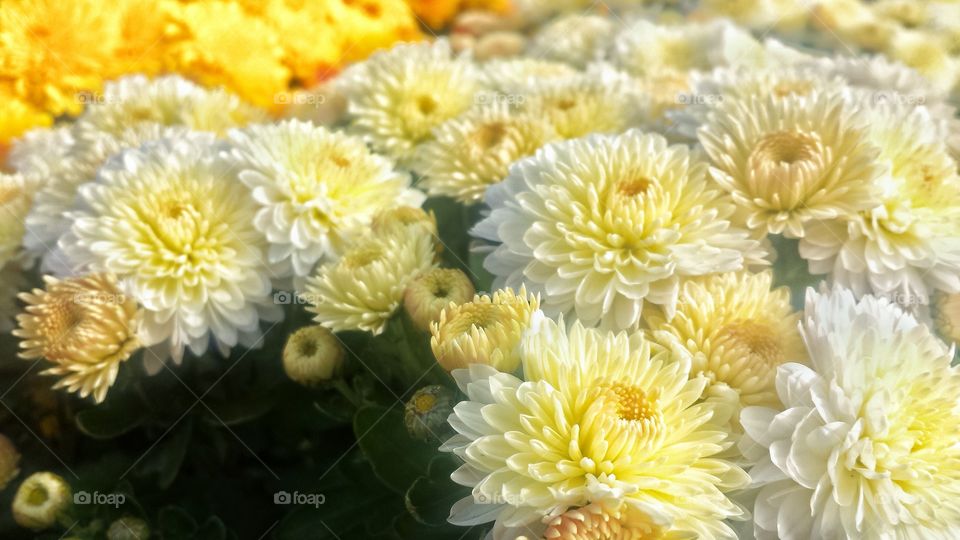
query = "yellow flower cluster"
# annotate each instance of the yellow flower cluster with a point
(54, 54)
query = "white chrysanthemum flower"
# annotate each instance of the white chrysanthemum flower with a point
(601, 101)
(41, 152)
(511, 78)
(396, 97)
(363, 289)
(47, 220)
(597, 418)
(575, 39)
(176, 228)
(788, 161)
(737, 331)
(910, 244)
(645, 48)
(866, 445)
(879, 74)
(16, 197)
(170, 100)
(929, 54)
(317, 189)
(475, 150)
(600, 225)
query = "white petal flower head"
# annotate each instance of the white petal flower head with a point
(363, 289)
(600, 225)
(317, 189)
(909, 245)
(40, 152)
(16, 197)
(89, 150)
(866, 445)
(396, 97)
(597, 418)
(787, 161)
(176, 228)
(170, 101)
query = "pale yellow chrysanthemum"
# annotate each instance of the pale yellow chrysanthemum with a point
(598, 417)
(396, 219)
(396, 97)
(850, 23)
(170, 101)
(41, 500)
(608, 520)
(88, 150)
(475, 150)
(928, 54)
(52, 50)
(789, 161)
(909, 245)
(84, 325)
(316, 189)
(602, 225)
(784, 16)
(576, 39)
(9, 461)
(432, 292)
(604, 101)
(16, 197)
(363, 289)
(222, 45)
(485, 331)
(737, 332)
(511, 78)
(644, 48)
(176, 227)
(865, 445)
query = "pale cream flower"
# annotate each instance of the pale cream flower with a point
(16, 197)
(85, 326)
(485, 331)
(475, 150)
(431, 292)
(171, 101)
(176, 228)
(40, 500)
(607, 520)
(598, 418)
(40, 152)
(9, 461)
(909, 245)
(576, 39)
(601, 225)
(928, 54)
(788, 161)
(363, 289)
(396, 97)
(865, 446)
(737, 331)
(317, 189)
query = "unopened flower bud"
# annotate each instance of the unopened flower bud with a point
(434, 290)
(427, 411)
(313, 355)
(946, 316)
(128, 528)
(40, 500)
(9, 461)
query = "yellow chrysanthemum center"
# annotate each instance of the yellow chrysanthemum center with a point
(424, 403)
(473, 315)
(639, 408)
(489, 135)
(799, 87)
(633, 186)
(763, 343)
(362, 256)
(785, 147)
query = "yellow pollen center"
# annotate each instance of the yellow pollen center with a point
(361, 257)
(490, 135)
(424, 403)
(792, 88)
(633, 186)
(633, 403)
(470, 315)
(340, 161)
(785, 147)
(426, 105)
(759, 339)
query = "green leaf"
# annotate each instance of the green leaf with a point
(790, 269)
(212, 529)
(397, 459)
(110, 421)
(166, 458)
(176, 524)
(238, 410)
